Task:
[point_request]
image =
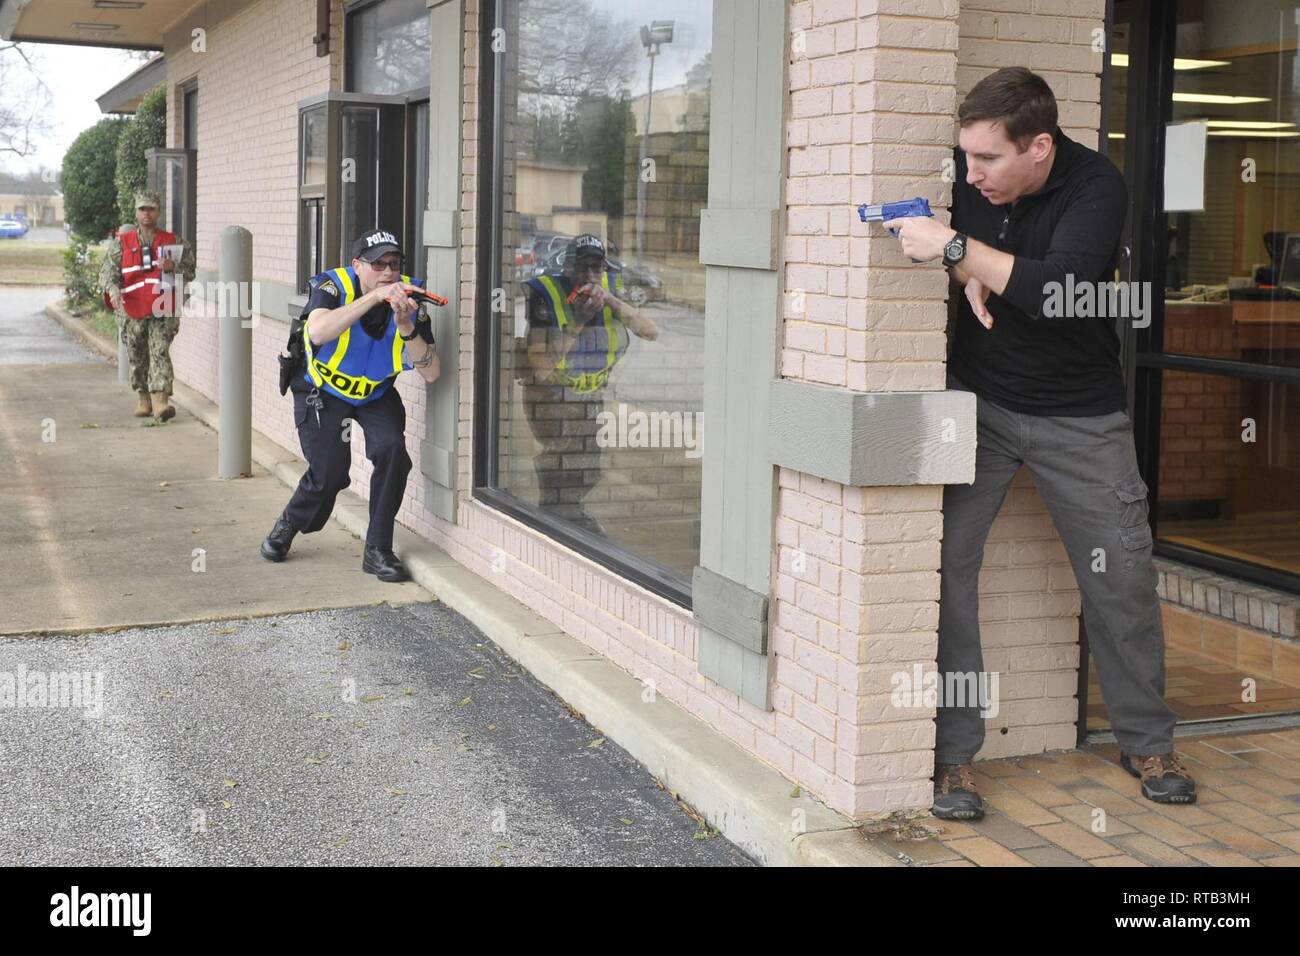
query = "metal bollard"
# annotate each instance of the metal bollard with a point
(235, 347)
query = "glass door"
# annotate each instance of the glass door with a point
(1201, 101)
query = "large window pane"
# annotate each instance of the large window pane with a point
(605, 132)
(314, 131)
(388, 47)
(1237, 73)
(360, 173)
(1230, 468)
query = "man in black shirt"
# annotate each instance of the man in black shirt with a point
(361, 332)
(1036, 221)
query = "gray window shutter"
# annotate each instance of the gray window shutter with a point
(739, 241)
(438, 461)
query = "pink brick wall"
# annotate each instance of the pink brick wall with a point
(250, 79)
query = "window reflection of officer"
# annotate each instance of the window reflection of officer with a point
(362, 330)
(578, 331)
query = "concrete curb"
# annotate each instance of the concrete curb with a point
(747, 801)
(81, 329)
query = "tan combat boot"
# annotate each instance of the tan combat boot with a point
(142, 407)
(162, 409)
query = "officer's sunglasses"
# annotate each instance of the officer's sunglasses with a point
(384, 265)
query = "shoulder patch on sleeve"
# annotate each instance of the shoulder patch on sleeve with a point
(329, 287)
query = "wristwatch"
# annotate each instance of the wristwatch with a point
(415, 333)
(954, 251)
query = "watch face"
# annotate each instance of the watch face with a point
(954, 249)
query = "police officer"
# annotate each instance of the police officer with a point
(362, 329)
(147, 316)
(578, 331)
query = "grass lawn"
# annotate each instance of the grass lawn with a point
(30, 263)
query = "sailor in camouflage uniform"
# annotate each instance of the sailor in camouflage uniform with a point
(147, 319)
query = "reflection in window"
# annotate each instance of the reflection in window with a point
(605, 147)
(313, 147)
(361, 171)
(388, 47)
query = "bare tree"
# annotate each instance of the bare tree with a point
(567, 54)
(572, 49)
(24, 109)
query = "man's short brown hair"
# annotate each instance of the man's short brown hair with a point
(1019, 99)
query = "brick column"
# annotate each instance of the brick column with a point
(873, 94)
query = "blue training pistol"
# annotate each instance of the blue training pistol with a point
(884, 212)
(902, 209)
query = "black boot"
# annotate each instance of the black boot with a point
(383, 564)
(276, 545)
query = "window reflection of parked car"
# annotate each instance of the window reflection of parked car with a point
(640, 283)
(12, 227)
(532, 252)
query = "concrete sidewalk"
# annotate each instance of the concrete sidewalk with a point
(112, 521)
(748, 802)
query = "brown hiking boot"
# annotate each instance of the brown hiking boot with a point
(1164, 778)
(142, 407)
(954, 792)
(162, 409)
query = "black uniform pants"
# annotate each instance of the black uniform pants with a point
(329, 456)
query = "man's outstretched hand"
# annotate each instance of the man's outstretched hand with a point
(977, 293)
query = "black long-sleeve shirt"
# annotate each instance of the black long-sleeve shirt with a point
(1029, 361)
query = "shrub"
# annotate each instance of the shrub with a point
(89, 191)
(147, 129)
(80, 273)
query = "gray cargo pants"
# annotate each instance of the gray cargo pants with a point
(1086, 471)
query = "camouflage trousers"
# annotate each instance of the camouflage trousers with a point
(147, 341)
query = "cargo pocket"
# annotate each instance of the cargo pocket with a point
(1134, 526)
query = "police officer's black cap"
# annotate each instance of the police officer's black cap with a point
(587, 246)
(374, 244)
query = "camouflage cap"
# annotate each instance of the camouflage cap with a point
(147, 197)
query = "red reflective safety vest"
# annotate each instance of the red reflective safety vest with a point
(139, 285)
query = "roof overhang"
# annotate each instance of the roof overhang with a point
(125, 96)
(121, 24)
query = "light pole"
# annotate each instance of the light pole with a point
(652, 37)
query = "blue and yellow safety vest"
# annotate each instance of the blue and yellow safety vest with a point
(356, 368)
(587, 364)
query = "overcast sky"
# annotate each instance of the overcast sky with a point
(75, 76)
(693, 21)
